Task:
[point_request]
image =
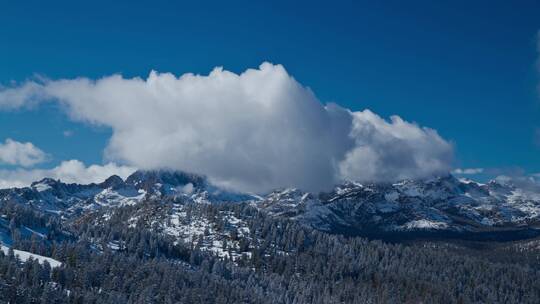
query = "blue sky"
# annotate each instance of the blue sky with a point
(466, 70)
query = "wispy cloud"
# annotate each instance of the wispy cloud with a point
(467, 171)
(68, 133)
(72, 171)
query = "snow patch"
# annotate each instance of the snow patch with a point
(25, 256)
(423, 224)
(41, 187)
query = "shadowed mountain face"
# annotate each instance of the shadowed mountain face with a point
(442, 206)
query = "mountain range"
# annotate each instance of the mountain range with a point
(443, 204)
(170, 236)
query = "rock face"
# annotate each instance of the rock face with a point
(443, 204)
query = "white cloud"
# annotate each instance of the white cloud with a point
(187, 189)
(394, 150)
(25, 95)
(254, 131)
(527, 182)
(468, 171)
(20, 154)
(71, 171)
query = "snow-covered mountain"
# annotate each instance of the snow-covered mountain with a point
(444, 204)
(439, 204)
(70, 199)
(181, 224)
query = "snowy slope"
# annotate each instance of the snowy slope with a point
(24, 256)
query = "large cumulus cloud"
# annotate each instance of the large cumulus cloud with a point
(395, 150)
(253, 131)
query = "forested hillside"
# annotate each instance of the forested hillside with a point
(108, 258)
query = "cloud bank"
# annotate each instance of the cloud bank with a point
(71, 171)
(20, 154)
(253, 131)
(529, 183)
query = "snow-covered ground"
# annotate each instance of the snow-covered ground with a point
(423, 224)
(24, 256)
(205, 234)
